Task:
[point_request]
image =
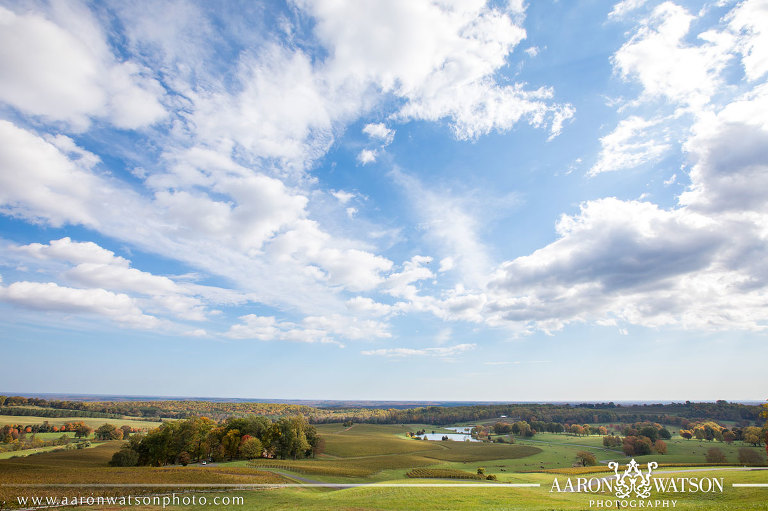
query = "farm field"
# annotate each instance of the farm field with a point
(28, 452)
(89, 466)
(373, 498)
(90, 421)
(680, 450)
(375, 454)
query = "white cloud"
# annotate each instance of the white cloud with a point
(446, 264)
(95, 267)
(730, 150)
(254, 231)
(624, 7)
(532, 51)
(443, 351)
(74, 252)
(367, 156)
(401, 284)
(749, 21)
(641, 264)
(634, 142)
(439, 59)
(697, 266)
(63, 70)
(39, 182)
(323, 329)
(363, 305)
(668, 67)
(379, 132)
(267, 328)
(283, 109)
(342, 196)
(52, 297)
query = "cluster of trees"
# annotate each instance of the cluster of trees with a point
(17, 438)
(112, 432)
(641, 445)
(521, 428)
(11, 432)
(201, 438)
(640, 439)
(710, 430)
(585, 429)
(651, 430)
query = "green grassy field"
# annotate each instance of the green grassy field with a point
(679, 450)
(27, 420)
(55, 436)
(469, 498)
(383, 454)
(28, 452)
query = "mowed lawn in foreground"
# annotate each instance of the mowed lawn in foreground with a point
(469, 498)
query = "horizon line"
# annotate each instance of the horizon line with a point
(139, 397)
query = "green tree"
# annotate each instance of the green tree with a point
(125, 457)
(251, 448)
(231, 443)
(753, 435)
(650, 432)
(587, 459)
(82, 430)
(108, 432)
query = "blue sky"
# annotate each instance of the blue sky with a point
(385, 199)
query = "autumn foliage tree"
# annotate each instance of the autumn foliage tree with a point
(587, 459)
(108, 432)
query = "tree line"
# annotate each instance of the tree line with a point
(19, 411)
(671, 413)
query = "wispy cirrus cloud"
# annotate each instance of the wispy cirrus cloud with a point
(441, 351)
